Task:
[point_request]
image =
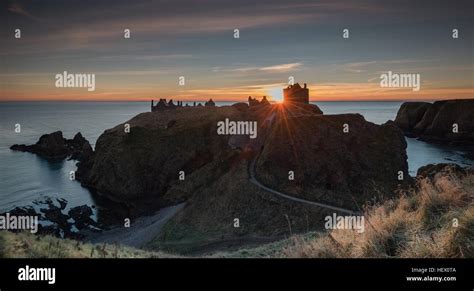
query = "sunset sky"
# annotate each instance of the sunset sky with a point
(195, 39)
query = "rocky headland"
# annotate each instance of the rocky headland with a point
(175, 156)
(301, 166)
(447, 121)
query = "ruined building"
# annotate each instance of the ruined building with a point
(210, 103)
(163, 105)
(254, 101)
(264, 101)
(294, 93)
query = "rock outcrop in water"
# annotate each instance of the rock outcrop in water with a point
(54, 220)
(54, 146)
(449, 121)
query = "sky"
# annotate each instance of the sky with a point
(195, 39)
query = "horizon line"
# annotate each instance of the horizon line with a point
(236, 101)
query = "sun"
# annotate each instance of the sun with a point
(276, 93)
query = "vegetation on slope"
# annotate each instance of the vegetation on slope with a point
(27, 245)
(435, 220)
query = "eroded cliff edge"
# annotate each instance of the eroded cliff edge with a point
(346, 169)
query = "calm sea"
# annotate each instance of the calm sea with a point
(24, 177)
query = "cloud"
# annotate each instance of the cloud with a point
(147, 57)
(357, 67)
(102, 34)
(373, 91)
(366, 66)
(18, 9)
(280, 68)
(172, 26)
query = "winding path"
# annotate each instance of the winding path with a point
(253, 180)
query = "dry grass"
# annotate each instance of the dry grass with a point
(26, 245)
(419, 224)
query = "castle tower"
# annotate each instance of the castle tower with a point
(294, 93)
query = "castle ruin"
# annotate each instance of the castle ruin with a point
(255, 102)
(296, 94)
(164, 105)
(291, 94)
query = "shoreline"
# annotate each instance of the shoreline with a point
(139, 233)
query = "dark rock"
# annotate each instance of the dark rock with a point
(82, 216)
(62, 202)
(54, 146)
(409, 114)
(78, 140)
(81, 152)
(23, 211)
(50, 146)
(57, 222)
(54, 214)
(20, 147)
(437, 122)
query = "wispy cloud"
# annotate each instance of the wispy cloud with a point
(280, 68)
(357, 67)
(174, 25)
(147, 57)
(371, 66)
(18, 9)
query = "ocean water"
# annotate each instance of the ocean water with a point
(25, 177)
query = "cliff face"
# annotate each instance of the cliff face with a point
(143, 167)
(332, 165)
(450, 121)
(409, 114)
(145, 163)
